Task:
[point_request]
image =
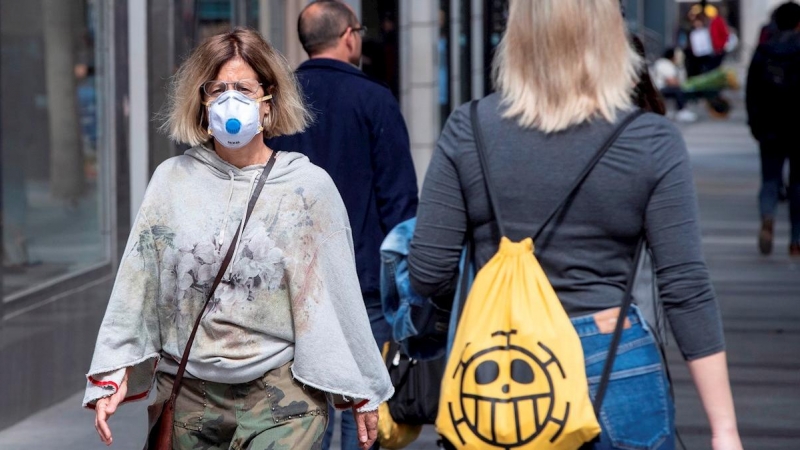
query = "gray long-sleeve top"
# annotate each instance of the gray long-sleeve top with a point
(644, 183)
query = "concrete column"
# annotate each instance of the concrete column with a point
(754, 14)
(419, 87)
(265, 15)
(292, 49)
(272, 22)
(66, 158)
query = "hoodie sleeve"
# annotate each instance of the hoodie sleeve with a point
(334, 347)
(129, 335)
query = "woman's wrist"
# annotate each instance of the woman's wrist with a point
(724, 427)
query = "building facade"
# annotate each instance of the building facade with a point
(81, 85)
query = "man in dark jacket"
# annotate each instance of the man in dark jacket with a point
(359, 137)
(773, 108)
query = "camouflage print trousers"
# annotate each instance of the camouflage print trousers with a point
(274, 412)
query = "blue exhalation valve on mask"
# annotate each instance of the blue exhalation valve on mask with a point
(234, 118)
(233, 126)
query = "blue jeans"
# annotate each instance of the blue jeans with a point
(638, 411)
(382, 333)
(773, 156)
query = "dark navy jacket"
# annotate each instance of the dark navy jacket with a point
(359, 137)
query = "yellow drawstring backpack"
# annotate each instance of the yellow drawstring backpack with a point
(515, 377)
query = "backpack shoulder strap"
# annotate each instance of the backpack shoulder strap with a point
(487, 180)
(481, 148)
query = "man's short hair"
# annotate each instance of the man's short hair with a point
(321, 30)
(787, 16)
(669, 53)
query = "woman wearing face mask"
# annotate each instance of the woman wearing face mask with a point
(285, 331)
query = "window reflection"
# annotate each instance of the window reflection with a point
(49, 135)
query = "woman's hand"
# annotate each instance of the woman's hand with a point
(106, 407)
(710, 375)
(367, 427)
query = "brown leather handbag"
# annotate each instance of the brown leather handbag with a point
(162, 415)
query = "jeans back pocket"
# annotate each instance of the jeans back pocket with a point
(637, 412)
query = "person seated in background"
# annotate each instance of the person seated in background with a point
(668, 77)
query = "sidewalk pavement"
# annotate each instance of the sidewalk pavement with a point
(758, 295)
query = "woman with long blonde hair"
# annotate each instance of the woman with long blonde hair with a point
(565, 74)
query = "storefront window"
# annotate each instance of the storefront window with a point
(53, 215)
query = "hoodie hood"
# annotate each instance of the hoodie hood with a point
(285, 163)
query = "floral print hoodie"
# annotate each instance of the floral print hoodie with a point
(290, 293)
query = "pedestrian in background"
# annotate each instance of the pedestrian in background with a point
(668, 77)
(286, 331)
(769, 30)
(541, 128)
(773, 109)
(720, 35)
(359, 137)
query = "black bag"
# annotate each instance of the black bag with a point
(417, 384)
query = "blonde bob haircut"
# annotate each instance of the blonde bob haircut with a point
(186, 117)
(563, 62)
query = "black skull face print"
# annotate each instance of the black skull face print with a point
(506, 382)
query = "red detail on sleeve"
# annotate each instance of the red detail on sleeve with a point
(127, 399)
(104, 383)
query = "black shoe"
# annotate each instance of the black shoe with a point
(765, 236)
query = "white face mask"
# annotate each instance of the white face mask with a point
(234, 118)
